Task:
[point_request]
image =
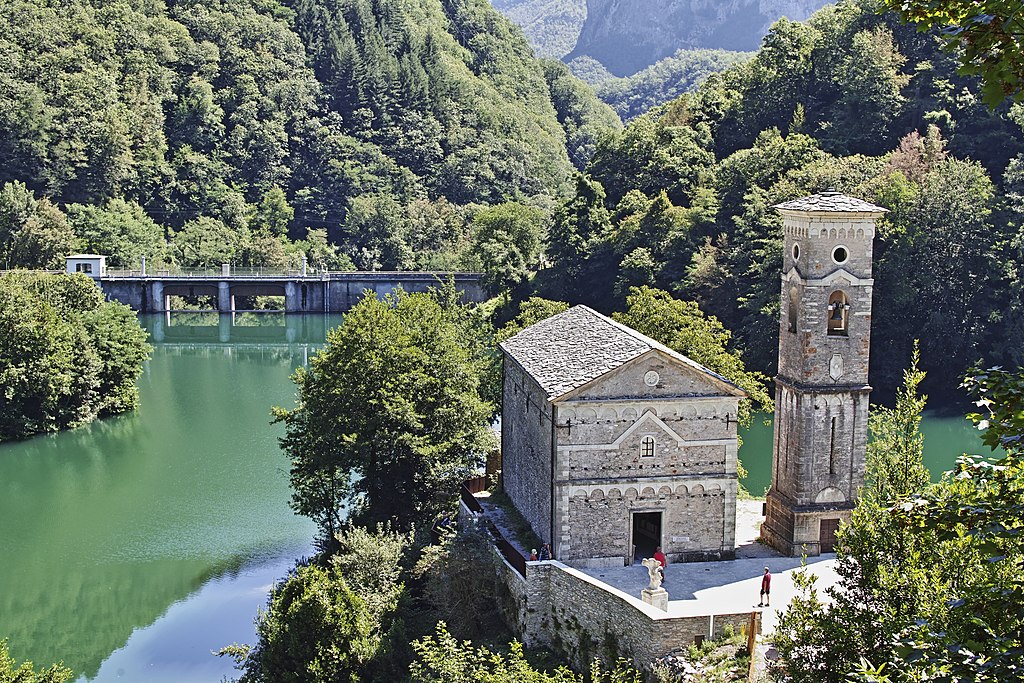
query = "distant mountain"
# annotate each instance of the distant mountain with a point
(552, 26)
(629, 35)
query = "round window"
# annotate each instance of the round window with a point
(652, 378)
(840, 254)
(796, 252)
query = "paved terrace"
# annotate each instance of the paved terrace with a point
(703, 588)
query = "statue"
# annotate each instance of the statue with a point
(654, 569)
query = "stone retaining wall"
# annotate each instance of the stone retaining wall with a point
(581, 618)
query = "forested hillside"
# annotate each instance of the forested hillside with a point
(682, 199)
(251, 130)
(663, 81)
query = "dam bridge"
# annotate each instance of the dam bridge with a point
(324, 292)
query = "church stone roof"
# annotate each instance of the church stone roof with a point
(571, 349)
(833, 201)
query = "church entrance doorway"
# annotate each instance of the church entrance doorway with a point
(646, 534)
(827, 536)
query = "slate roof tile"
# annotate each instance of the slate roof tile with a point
(575, 347)
(830, 200)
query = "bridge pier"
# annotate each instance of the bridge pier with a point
(224, 321)
(225, 302)
(159, 301)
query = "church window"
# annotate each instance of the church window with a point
(838, 314)
(840, 255)
(647, 447)
(796, 252)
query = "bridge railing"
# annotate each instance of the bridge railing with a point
(245, 273)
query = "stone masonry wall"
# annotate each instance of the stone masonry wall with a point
(581, 618)
(526, 447)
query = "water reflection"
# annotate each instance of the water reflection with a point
(184, 504)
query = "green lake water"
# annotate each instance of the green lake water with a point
(134, 546)
(945, 439)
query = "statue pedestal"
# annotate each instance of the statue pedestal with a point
(656, 598)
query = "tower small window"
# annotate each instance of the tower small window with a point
(647, 447)
(796, 252)
(793, 296)
(840, 255)
(838, 314)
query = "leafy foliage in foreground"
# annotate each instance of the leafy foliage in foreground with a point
(66, 355)
(25, 673)
(987, 37)
(443, 659)
(932, 577)
(329, 621)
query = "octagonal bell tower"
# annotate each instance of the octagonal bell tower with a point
(821, 397)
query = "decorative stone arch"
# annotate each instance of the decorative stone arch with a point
(587, 414)
(713, 488)
(629, 414)
(567, 413)
(681, 490)
(632, 493)
(608, 413)
(689, 412)
(664, 491)
(614, 493)
(697, 490)
(860, 233)
(580, 493)
(597, 495)
(830, 494)
(648, 492)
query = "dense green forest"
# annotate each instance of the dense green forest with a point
(852, 99)
(356, 131)
(663, 81)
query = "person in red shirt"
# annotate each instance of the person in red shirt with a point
(766, 589)
(662, 560)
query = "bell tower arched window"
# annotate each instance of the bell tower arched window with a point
(647, 447)
(838, 314)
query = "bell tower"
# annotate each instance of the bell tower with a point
(821, 397)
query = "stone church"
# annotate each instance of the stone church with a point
(613, 444)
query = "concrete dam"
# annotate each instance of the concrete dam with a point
(314, 293)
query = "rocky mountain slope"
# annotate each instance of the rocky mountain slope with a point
(628, 35)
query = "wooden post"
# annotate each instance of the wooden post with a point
(751, 644)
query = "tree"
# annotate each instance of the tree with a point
(895, 452)
(204, 243)
(66, 356)
(120, 230)
(508, 242)
(931, 576)
(987, 37)
(33, 232)
(683, 327)
(315, 630)
(393, 398)
(56, 673)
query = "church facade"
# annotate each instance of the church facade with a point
(613, 444)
